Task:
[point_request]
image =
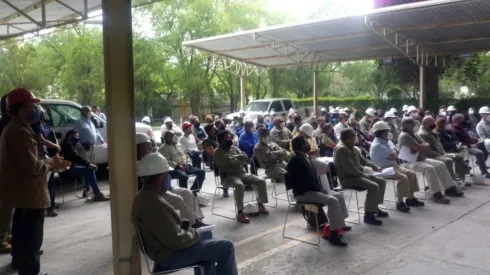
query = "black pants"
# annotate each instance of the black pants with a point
(196, 159)
(52, 192)
(183, 177)
(27, 238)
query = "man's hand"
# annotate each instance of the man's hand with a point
(93, 167)
(57, 148)
(379, 169)
(393, 156)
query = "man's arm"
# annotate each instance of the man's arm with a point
(345, 161)
(25, 155)
(275, 138)
(166, 153)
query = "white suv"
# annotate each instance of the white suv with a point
(64, 113)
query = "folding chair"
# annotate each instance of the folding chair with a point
(311, 207)
(266, 178)
(355, 190)
(147, 260)
(58, 177)
(218, 177)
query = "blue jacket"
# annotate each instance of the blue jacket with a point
(237, 129)
(247, 142)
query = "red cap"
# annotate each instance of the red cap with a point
(186, 124)
(21, 95)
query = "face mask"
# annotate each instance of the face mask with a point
(416, 128)
(264, 140)
(432, 127)
(283, 124)
(167, 183)
(175, 139)
(390, 136)
(415, 115)
(356, 140)
(488, 118)
(229, 143)
(34, 116)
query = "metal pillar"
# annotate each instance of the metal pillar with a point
(243, 97)
(119, 89)
(315, 92)
(422, 88)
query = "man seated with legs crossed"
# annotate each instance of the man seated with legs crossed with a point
(230, 162)
(270, 156)
(170, 241)
(383, 154)
(308, 189)
(349, 164)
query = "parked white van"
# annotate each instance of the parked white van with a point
(280, 106)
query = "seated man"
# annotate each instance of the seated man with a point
(426, 132)
(280, 134)
(362, 141)
(438, 177)
(307, 189)
(230, 161)
(170, 241)
(188, 143)
(181, 163)
(80, 167)
(169, 125)
(271, 157)
(340, 125)
(247, 142)
(181, 199)
(328, 140)
(349, 164)
(383, 154)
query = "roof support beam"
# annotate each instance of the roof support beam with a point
(82, 14)
(23, 13)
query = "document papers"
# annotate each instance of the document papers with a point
(406, 155)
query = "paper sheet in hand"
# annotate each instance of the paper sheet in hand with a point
(406, 155)
(385, 173)
(325, 159)
(205, 228)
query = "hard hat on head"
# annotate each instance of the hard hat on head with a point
(323, 109)
(346, 109)
(168, 119)
(263, 132)
(411, 109)
(307, 129)
(389, 115)
(471, 111)
(186, 125)
(273, 113)
(337, 108)
(265, 113)
(451, 109)
(404, 108)
(153, 164)
(370, 112)
(21, 95)
(393, 110)
(142, 138)
(242, 112)
(146, 119)
(484, 110)
(380, 126)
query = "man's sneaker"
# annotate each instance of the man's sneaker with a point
(453, 192)
(51, 213)
(402, 207)
(382, 214)
(225, 193)
(414, 202)
(440, 198)
(242, 217)
(100, 197)
(369, 218)
(5, 248)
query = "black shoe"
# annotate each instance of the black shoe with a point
(453, 192)
(347, 228)
(100, 197)
(225, 193)
(369, 218)
(402, 207)
(382, 214)
(84, 194)
(41, 252)
(414, 202)
(440, 198)
(337, 239)
(426, 188)
(198, 224)
(51, 213)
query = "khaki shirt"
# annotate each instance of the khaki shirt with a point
(281, 137)
(175, 154)
(410, 141)
(365, 126)
(23, 173)
(230, 162)
(270, 154)
(159, 225)
(349, 162)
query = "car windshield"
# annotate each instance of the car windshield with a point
(258, 106)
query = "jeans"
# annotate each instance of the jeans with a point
(52, 192)
(27, 238)
(183, 177)
(218, 257)
(86, 173)
(480, 157)
(196, 159)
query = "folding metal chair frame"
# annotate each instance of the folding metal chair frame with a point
(357, 204)
(219, 186)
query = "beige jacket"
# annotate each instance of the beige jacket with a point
(349, 162)
(230, 162)
(23, 173)
(175, 154)
(159, 225)
(432, 139)
(281, 137)
(268, 155)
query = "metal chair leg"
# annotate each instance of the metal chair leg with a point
(216, 192)
(62, 192)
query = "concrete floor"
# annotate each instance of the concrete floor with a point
(437, 239)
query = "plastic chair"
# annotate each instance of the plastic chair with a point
(218, 177)
(311, 207)
(147, 260)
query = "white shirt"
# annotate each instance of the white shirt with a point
(188, 143)
(337, 129)
(175, 129)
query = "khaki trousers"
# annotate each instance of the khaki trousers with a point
(375, 187)
(237, 182)
(438, 177)
(407, 183)
(449, 165)
(276, 172)
(337, 210)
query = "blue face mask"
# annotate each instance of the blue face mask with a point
(34, 116)
(167, 183)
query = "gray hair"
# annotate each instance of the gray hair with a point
(407, 121)
(458, 117)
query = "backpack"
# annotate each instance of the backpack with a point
(310, 217)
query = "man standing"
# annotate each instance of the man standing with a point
(483, 127)
(280, 134)
(271, 157)
(24, 180)
(349, 163)
(96, 110)
(88, 135)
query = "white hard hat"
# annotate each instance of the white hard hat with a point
(146, 119)
(484, 110)
(370, 112)
(393, 110)
(411, 109)
(346, 109)
(323, 109)
(331, 107)
(251, 208)
(451, 108)
(168, 119)
(380, 126)
(142, 138)
(390, 115)
(273, 113)
(202, 199)
(337, 108)
(242, 112)
(265, 113)
(331, 111)
(404, 108)
(342, 112)
(153, 164)
(471, 111)
(307, 129)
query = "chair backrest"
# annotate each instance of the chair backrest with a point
(287, 181)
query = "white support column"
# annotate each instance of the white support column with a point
(422, 88)
(119, 89)
(243, 97)
(315, 92)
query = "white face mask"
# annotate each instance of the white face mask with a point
(390, 136)
(415, 115)
(443, 114)
(488, 118)
(175, 139)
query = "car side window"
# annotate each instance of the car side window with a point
(277, 106)
(287, 104)
(63, 115)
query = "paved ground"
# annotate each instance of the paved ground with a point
(434, 240)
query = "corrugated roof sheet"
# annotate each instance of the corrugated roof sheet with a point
(439, 27)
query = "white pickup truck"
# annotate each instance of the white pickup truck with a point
(64, 113)
(280, 106)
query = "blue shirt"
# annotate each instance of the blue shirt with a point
(247, 142)
(88, 133)
(102, 115)
(237, 129)
(380, 152)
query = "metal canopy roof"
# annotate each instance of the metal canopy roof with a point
(423, 32)
(19, 17)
